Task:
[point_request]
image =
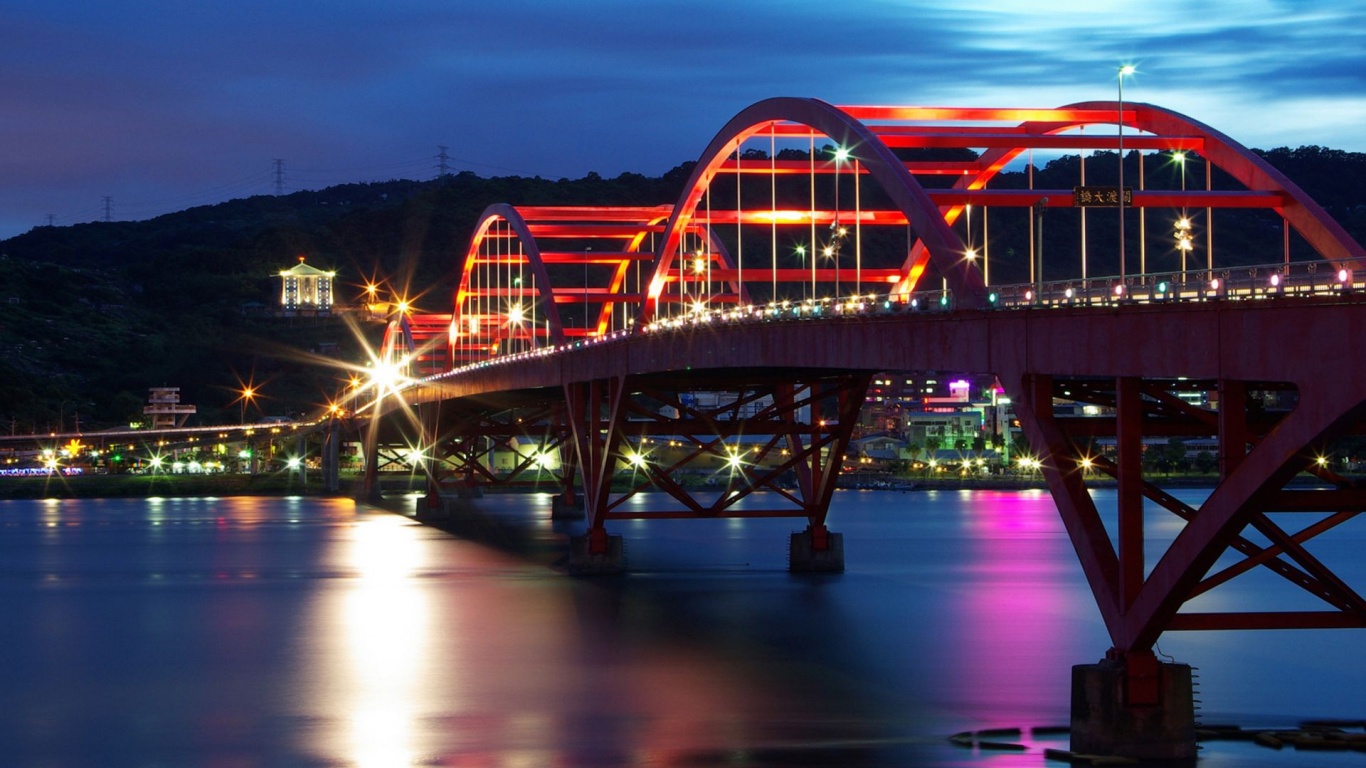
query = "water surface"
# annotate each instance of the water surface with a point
(315, 632)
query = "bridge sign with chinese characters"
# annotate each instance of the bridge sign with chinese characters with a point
(1083, 197)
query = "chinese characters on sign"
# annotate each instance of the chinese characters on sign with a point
(1100, 196)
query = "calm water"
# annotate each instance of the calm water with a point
(305, 632)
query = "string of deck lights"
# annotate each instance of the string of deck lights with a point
(1245, 283)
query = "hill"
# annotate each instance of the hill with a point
(91, 315)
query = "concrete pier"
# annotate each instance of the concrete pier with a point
(566, 509)
(1135, 707)
(584, 562)
(805, 555)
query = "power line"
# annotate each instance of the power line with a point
(279, 177)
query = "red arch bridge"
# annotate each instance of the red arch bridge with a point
(816, 246)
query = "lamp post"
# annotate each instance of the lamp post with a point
(1127, 69)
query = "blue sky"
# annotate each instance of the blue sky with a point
(166, 104)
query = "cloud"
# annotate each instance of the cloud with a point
(161, 102)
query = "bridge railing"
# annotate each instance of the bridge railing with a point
(1257, 282)
(1311, 278)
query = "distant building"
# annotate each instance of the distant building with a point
(165, 409)
(305, 290)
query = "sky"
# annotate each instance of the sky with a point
(134, 108)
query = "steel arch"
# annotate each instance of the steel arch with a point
(534, 227)
(532, 252)
(1322, 232)
(946, 248)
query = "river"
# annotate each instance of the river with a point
(256, 631)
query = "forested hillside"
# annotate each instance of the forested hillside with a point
(91, 315)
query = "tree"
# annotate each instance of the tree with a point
(1205, 462)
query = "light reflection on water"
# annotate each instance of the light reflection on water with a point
(252, 631)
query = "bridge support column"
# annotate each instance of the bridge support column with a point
(331, 457)
(596, 554)
(595, 411)
(816, 550)
(369, 488)
(1133, 705)
(567, 505)
(429, 416)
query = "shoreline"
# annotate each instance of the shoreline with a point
(285, 484)
(169, 485)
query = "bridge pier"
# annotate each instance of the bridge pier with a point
(816, 550)
(596, 554)
(566, 506)
(331, 457)
(1133, 706)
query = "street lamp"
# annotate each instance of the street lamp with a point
(1127, 69)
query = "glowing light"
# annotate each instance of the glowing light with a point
(699, 265)
(515, 314)
(1127, 69)
(829, 250)
(1119, 290)
(788, 216)
(386, 377)
(841, 154)
(293, 462)
(971, 253)
(1275, 280)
